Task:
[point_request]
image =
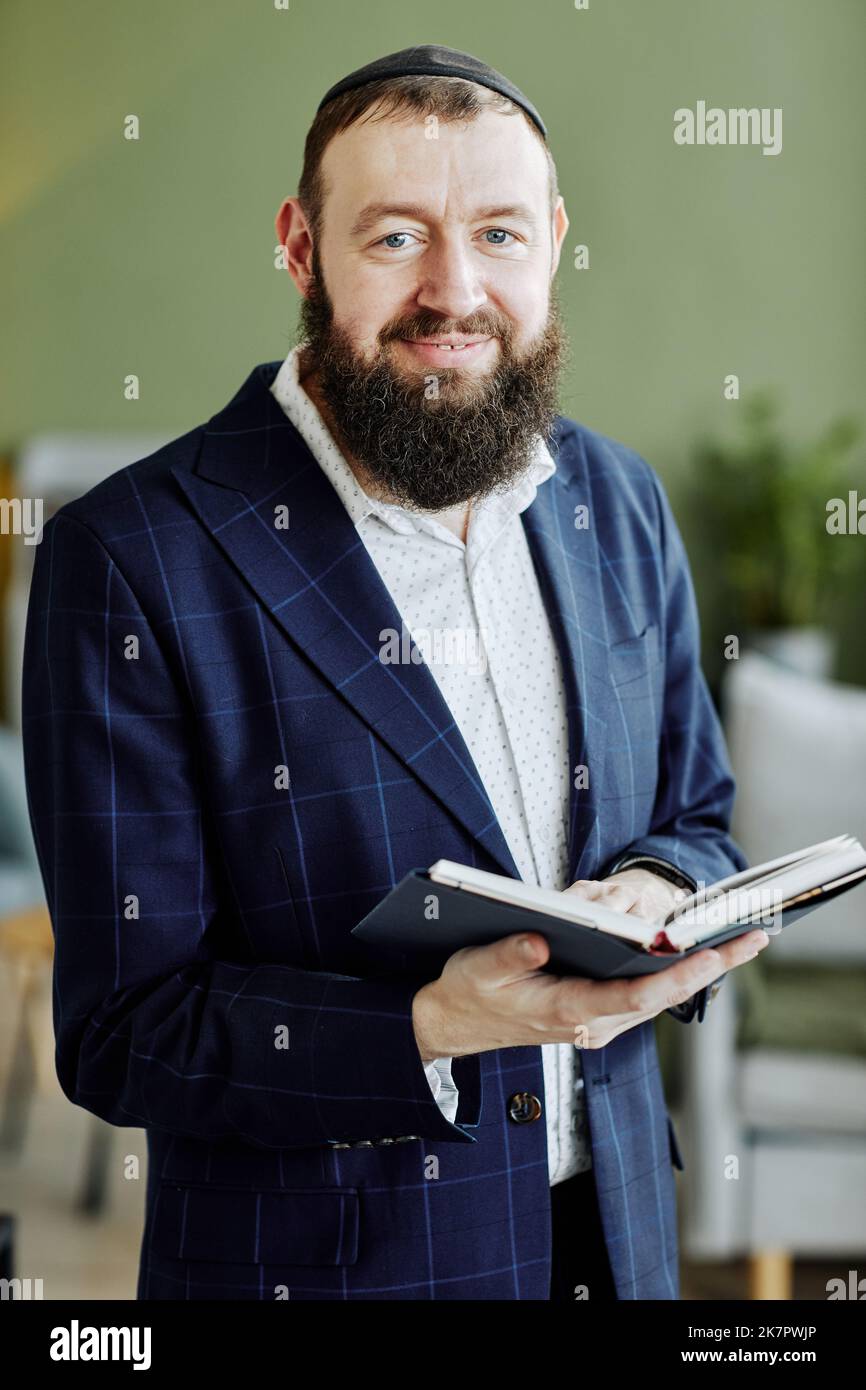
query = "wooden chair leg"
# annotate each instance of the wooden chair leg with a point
(7, 1245)
(94, 1191)
(20, 1084)
(771, 1275)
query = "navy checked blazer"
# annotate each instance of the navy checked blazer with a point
(223, 779)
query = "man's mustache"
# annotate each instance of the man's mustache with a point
(418, 327)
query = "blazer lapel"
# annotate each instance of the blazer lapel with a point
(568, 564)
(319, 584)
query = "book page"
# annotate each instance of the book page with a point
(763, 902)
(759, 873)
(567, 906)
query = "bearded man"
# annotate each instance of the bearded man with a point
(225, 774)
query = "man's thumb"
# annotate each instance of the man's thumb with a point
(525, 953)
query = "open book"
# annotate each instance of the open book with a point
(431, 914)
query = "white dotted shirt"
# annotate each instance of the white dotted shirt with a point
(476, 613)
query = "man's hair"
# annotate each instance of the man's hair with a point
(450, 99)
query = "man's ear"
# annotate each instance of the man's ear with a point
(293, 234)
(560, 226)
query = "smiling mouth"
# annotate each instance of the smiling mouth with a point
(446, 347)
(435, 349)
(455, 344)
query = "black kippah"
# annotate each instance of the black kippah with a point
(432, 60)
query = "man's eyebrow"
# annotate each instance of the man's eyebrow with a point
(377, 212)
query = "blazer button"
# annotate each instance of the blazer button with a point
(524, 1108)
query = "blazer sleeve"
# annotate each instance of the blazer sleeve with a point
(689, 831)
(155, 1023)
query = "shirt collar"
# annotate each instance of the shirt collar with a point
(488, 516)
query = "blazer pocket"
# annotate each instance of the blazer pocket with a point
(281, 1226)
(635, 657)
(676, 1155)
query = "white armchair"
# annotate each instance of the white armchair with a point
(774, 1136)
(56, 468)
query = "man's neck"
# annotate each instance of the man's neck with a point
(456, 519)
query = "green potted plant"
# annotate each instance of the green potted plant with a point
(762, 505)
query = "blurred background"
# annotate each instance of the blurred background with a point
(155, 257)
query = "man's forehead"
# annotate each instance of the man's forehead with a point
(491, 162)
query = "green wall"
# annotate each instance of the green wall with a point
(156, 256)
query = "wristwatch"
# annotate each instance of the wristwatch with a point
(656, 866)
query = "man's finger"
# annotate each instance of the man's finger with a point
(508, 959)
(743, 948)
(588, 888)
(650, 994)
(619, 898)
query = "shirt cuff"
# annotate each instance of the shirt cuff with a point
(445, 1093)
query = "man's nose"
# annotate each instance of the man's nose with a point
(451, 284)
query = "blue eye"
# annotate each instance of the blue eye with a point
(398, 241)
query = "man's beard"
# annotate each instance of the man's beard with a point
(433, 439)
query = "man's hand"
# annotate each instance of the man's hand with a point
(635, 891)
(498, 996)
